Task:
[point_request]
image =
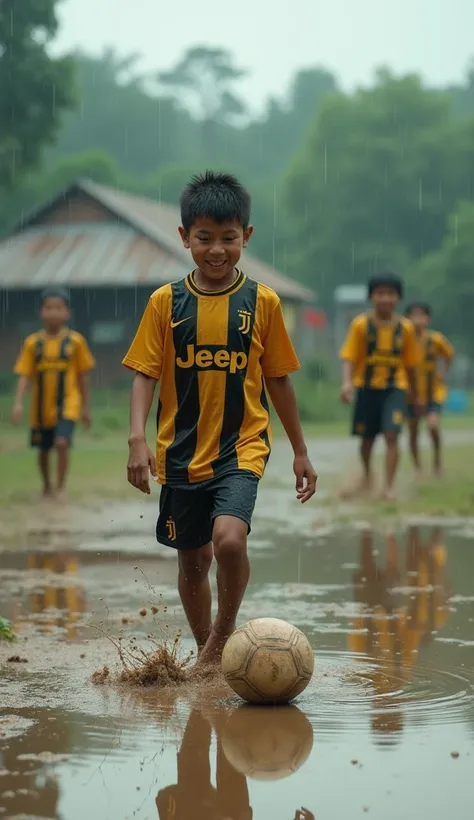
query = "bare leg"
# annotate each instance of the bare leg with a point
(391, 464)
(195, 591)
(366, 447)
(435, 433)
(62, 450)
(43, 462)
(413, 427)
(233, 571)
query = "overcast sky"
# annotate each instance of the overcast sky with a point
(350, 37)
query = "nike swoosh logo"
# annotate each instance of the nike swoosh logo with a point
(175, 324)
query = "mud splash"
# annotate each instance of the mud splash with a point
(162, 665)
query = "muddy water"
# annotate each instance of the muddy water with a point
(385, 729)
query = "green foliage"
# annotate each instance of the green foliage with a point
(375, 182)
(34, 87)
(39, 188)
(318, 401)
(319, 368)
(6, 631)
(448, 276)
(207, 74)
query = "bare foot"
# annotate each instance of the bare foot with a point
(211, 653)
(60, 495)
(388, 495)
(362, 487)
(438, 472)
(47, 494)
(418, 474)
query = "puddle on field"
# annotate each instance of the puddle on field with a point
(385, 729)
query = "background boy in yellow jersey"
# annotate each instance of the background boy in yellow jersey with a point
(55, 361)
(436, 355)
(215, 340)
(380, 356)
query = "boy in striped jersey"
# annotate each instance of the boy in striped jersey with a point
(436, 355)
(380, 356)
(55, 362)
(217, 343)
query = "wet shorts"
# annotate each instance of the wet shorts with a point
(187, 514)
(432, 407)
(378, 411)
(44, 439)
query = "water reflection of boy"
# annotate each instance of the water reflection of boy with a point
(194, 796)
(394, 630)
(66, 601)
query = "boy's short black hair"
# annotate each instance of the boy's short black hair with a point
(55, 293)
(217, 196)
(423, 306)
(385, 279)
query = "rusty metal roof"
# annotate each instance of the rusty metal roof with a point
(142, 247)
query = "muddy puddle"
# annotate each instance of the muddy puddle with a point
(385, 729)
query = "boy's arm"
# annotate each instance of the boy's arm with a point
(24, 369)
(144, 357)
(22, 386)
(84, 362)
(411, 360)
(282, 394)
(83, 384)
(349, 353)
(446, 353)
(141, 460)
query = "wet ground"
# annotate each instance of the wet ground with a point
(385, 729)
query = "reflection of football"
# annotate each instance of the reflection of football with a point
(267, 744)
(267, 661)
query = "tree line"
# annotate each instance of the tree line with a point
(342, 183)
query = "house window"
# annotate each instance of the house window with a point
(107, 333)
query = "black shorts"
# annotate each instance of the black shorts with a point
(432, 407)
(44, 439)
(378, 411)
(187, 514)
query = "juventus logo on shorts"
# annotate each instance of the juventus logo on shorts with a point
(171, 527)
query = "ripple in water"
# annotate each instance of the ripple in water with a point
(348, 689)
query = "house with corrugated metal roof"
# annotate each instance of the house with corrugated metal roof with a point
(111, 250)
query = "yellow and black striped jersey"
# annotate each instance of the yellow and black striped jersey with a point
(380, 352)
(211, 352)
(53, 363)
(432, 347)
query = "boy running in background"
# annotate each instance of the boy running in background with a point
(214, 340)
(380, 356)
(435, 357)
(55, 361)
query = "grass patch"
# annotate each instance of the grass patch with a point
(98, 460)
(449, 496)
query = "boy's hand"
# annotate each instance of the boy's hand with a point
(347, 392)
(141, 462)
(17, 412)
(86, 418)
(306, 478)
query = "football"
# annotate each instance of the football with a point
(265, 744)
(268, 661)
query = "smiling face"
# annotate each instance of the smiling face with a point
(216, 248)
